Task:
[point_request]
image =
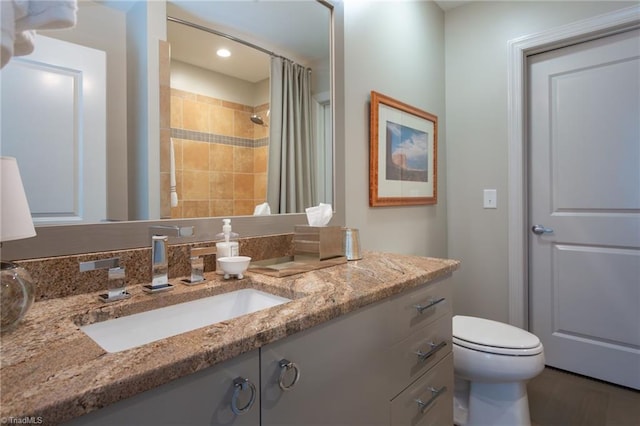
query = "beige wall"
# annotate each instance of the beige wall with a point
(477, 153)
(397, 49)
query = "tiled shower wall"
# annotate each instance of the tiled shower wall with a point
(221, 156)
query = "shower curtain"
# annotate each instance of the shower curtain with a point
(291, 154)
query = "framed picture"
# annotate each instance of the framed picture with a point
(403, 154)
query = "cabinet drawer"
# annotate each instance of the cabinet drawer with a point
(420, 307)
(419, 352)
(434, 391)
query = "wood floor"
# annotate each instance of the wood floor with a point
(565, 399)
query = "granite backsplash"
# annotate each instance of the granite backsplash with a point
(55, 277)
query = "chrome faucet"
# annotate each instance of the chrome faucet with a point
(117, 282)
(160, 255)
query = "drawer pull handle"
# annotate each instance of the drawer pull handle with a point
(430, 303)
(435, 394)
(285, 366)
(433, 349)
(241, 384)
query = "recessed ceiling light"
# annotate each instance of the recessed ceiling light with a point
(223, 53)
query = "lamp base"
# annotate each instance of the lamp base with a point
(16, 295)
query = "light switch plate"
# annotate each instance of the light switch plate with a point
(490, 199)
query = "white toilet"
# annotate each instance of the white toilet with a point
(492, 362)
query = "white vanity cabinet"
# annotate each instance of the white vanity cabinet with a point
(341, 367)
(385, 364)
(389, 363)
(201, 398)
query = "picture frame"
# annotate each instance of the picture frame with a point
(403, 149)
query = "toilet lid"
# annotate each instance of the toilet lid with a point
(493, 336)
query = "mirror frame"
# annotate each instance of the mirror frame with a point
(63, 240)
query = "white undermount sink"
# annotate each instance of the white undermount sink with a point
(128, 332)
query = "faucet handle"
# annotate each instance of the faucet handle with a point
(202, 251)
(197, 264)
(116, 279)
(172, 231)
(92, 265)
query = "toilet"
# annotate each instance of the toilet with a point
(492, 363)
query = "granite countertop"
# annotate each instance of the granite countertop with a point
(51, 370)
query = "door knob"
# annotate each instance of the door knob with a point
(539, 230)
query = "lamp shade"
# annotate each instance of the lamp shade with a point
(15, 219)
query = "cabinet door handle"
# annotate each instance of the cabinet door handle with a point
(433, 349)
(285, 366)
(435, 394)
(241, 384)
(430, 303)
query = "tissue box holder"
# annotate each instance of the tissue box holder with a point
(317, 243)
(314, 247)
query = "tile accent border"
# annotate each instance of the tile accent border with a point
(215, 138)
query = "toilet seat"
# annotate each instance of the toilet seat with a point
(494, 337)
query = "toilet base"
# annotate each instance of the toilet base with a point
(460, 402)
(498, 404)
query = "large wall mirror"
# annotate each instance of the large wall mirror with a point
(219, 120)
(262, 112)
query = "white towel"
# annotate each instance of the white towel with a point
(24, 43)
(7, 30)
(21, 17)
(47, 15)
(172, 176)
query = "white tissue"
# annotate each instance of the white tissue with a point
(319, 215)
(262, 210)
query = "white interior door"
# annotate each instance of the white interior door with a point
(584, 188)
(54, 123)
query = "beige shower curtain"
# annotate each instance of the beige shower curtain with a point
(291, 153)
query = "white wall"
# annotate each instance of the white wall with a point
(477, 154)
(146, 26)
(397, 49)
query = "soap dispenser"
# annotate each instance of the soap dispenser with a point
(227, 245)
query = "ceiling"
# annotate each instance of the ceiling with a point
(267, 24)
(197, 47)
(451, 4)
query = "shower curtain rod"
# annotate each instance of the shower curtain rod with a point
(227, 36)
